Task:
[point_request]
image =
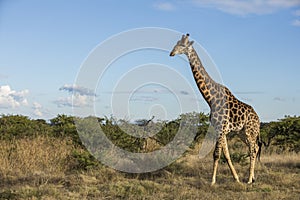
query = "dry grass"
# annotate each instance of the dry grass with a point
(40, 169)
(41, 155)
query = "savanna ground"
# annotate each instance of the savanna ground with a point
(46, 168)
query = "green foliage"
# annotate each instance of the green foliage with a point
(17, 126)
(236, 157)
(285, 133)
(167, 133)
(288, 137)
(120, 138)
(64, 126)
(203, 125)
(83, 160)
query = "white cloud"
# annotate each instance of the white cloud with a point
(77, 90)
(77, 101)
(38, 113)
(82, 97)
(246, 7)
(80, 100)
(12, 99)
(37, 105)
(37, 109)
(164, 6)
(296, 22)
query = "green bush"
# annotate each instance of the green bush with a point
(284, 133)
(83, 160)
(17, 126)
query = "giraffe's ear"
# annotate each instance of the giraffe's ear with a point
(191, 43)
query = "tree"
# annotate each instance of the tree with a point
(285, 133)
(64, 126)
(17, 126)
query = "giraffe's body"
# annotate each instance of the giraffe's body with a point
(227, 112)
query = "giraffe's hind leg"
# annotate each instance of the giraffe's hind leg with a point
(252, 135)
(227, 156)
(253, 148)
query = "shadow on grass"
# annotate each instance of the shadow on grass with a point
(289, 165)
(33, 180)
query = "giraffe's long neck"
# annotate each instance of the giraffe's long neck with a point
(207, 86)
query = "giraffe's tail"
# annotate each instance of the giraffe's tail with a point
(259, 143)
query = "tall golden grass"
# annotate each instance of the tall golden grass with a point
(39, 168)
(40, 155)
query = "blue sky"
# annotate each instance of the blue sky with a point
(254, 44)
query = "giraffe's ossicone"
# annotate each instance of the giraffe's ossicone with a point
(228, 114)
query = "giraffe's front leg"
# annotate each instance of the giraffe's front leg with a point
(217, 155)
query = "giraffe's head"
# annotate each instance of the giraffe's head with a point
(182, 46)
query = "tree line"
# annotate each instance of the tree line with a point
(283, 134)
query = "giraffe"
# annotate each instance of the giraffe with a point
(227, 113)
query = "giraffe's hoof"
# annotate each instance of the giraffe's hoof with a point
(213, 183)
(251, 181)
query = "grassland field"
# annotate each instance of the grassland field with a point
(44, 168)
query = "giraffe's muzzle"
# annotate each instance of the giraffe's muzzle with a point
(172, 54)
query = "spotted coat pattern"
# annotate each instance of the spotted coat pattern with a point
(228, 114)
